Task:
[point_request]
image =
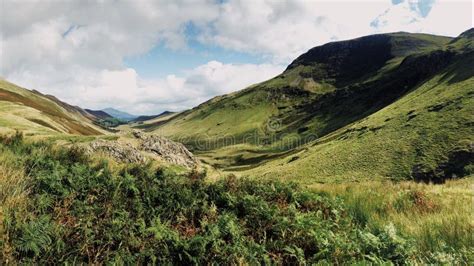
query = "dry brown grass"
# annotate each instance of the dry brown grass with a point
(13, 195)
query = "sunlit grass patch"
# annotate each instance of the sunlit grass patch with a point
(439, 218)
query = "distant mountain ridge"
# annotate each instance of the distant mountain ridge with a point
(124, 116)
(98, 113)
(119, 114)
(150, 117)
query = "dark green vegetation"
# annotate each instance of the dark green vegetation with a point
(58, 205)
(394, 106)
(111, 122)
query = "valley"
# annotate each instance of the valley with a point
(322, 120)
(361, 151)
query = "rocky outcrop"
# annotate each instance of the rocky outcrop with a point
(156, 146)
(170, 151)
(118, 151)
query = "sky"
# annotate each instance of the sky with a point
(145, 57)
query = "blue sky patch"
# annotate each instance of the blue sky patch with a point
(162, 60)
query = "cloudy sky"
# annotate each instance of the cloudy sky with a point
(148, 56)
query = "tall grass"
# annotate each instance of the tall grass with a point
(13, 190)
(438, 218)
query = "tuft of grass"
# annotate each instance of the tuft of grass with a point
(13, 192)
(438, 218)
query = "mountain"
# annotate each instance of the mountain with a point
(393, 105)
(36, 113)
(119, 114)
(98, 114)
(143, 118)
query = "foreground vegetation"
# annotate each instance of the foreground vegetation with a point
(58, 205)
(438, 218)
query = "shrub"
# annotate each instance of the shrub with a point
(12, 141)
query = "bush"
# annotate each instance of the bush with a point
(12, 141)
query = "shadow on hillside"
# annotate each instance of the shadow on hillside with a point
(460, 163)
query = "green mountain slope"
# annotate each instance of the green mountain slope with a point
(35, 113)
(427, 134)
(366, 107)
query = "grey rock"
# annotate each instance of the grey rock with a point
(167, 150)
(170, 151)
(120, 152)
(137, 134)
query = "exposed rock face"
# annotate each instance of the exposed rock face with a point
(138, 134)
(120, 152)
(169, 151)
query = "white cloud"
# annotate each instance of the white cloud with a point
(448, 18)
(175, 93)
(76, 49)
(124, 89)
(283, 30)
(99, 34)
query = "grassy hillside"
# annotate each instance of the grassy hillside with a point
(427, 134)
(290, 98)
(152, 122)
(392, 105)
(38, 114)
(143, 118)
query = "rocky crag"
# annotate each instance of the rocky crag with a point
(146, 147)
